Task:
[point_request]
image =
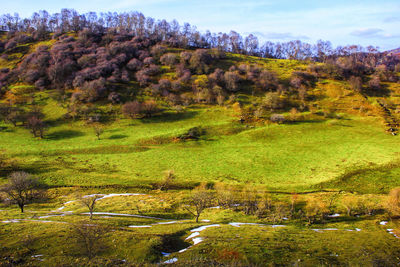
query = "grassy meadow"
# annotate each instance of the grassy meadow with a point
(336, 152)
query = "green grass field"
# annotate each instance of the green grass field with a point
(336, 149)
(133, 152)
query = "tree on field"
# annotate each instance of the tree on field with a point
(169, 177)
(375, 83)
(98, 130)
(22, 189)
(356, 84)
(232, 79)
(272, 101)
(168, 59)
(89, 238)
(132, 109)
(315, 209)
(90, 203)
(149, 108)
(199, 200)
(278, 118)
(36, 126)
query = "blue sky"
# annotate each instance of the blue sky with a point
(342, 22)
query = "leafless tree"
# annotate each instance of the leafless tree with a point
(22, 188)
(132, 109)
(169, 177)
(199, 200)
(98, 130)
(36, 126)
(90, 202)
(88, 238)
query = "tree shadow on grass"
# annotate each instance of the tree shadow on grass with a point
(63, 134)
(117, 136)
(170, 117)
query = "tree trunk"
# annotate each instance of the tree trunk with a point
(197, 218)
(21, 206)
(91, 215)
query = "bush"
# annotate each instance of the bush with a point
(278, 118)
(272, 101)
(132, 109)
(168, 59)
(149, 108)
(193, 134)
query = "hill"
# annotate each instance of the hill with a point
(395, 52)
(192, 153)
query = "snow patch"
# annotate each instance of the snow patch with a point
(334, 215)
(192, 235)
(122, 214)
(238, 224)
(197, 240)
(199, 229)
(139, 226)
(173, 260)
(383, 222)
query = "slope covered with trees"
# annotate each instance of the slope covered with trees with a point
(120, 135)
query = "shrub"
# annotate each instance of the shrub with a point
(168, 59)
(149, 108)
(393, 201)
(231, 81)
(132, 109)
(272, 101)
(278, 118)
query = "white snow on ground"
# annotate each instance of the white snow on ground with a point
(334, 215)
(335, 229)
(216, 207)
(197, 240)
(173, 260)
(11, 221)
(183, 250)
(205, 220)
(159, 223)
(390, 231)
(48, 216)
(123, 214)
(326, 229)
(383, 222)
(192, 235)
(277, 225)
(199, 229)
(103, 197)
(119, 195)
(20, 220)
(165, 254)
(238, 224)
(139, 226)
(171, 222)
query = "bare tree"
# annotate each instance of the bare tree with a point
(98, 130)
(22, 188)
(132, 109)
(90, 202)
(36, 126)
(169, 177)
(89, 238)
(199, 200)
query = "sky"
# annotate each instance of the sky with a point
(343, 22)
